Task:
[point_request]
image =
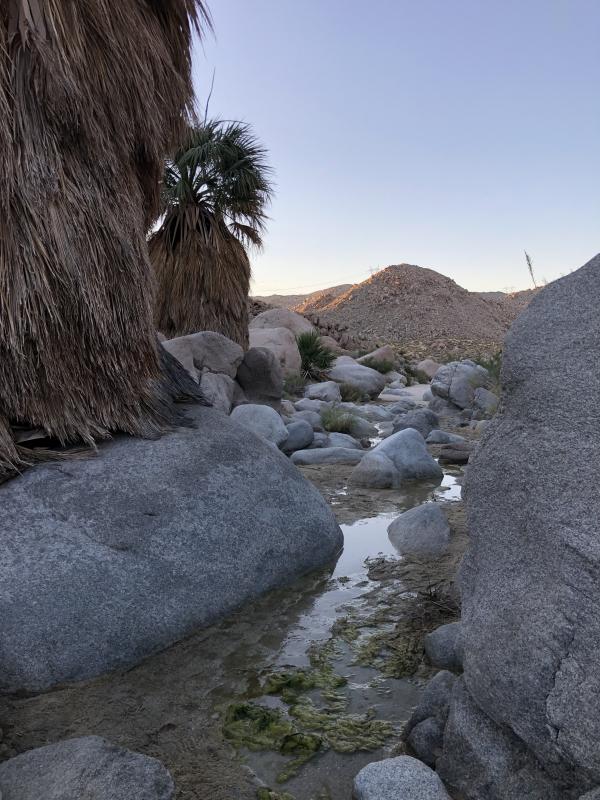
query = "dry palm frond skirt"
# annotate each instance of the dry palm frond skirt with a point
(93, 93)
(203, 279)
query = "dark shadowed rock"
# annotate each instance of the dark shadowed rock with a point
(300, 436)
(108, 559)
(434, 702)
(444, 647)
(88, 767)
(426, 740)
(531, 577)
(261, 377)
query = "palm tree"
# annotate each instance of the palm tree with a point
(92, 97)
(215, 191)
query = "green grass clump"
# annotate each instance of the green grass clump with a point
(350, 394)
(336, 420)
(316, 358)
(294, 384)
(381, 365)
(493, 364)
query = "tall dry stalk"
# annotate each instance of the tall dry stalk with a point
(93, 94)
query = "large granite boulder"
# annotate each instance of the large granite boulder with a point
(282, 318)
(347, 371)
(261, 378)
(88, 768)
(531, 577)
(206, 351)
(108, 559)
(282, 343)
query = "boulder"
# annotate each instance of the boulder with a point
(421, 531)
(370, 412)
(328, 391)
(109, 559)
(457, 381)
(426, 740)
(444, 647)
(421, 419)
(434, 702)
(426, 369)
(385, 353)
(300, 436)
(206, 351)
(401, 778)
(330, 343)
(481, 760)
(399, 458)
(362, 429)
(88, 767)
(531, 576)
(261, 377)
(327, 455)
(344, 440)
(456, 452)
(311, 417)
(306, 404)
(401, 407)
(444, 437)
(288, 409)
(485, 403)
(282, 318)
(282, 343)
(219, 390)
(320, 439)
(263, 421)
(366, 380)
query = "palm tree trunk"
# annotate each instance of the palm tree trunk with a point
(93, 93)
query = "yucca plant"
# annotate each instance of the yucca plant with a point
(93, 96)
(316, 358)
(215, 191)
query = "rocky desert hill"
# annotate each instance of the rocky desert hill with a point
(420, 310)
(295, 301)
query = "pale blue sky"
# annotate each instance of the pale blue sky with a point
(446, 133)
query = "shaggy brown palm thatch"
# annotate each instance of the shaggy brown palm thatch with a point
(214, 192)
(93, 94)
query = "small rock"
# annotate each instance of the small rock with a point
(485, 403)
(361, 429)
(421, 419)
(311, 417)
(300, 436)
(328, 391)
(443, 437)
(426, 369)
(261, 420)
(327, 455)
(422, 531)
(427, 740)
(401, 778)
(88, 767)
(385, 353)
(456, 453)
(307, 404)
(401, 407)
(344, 440)
(444, 647)
(434, 702)
(288, 408)
(320, 440)
(457, 382)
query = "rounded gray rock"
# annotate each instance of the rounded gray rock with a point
(421, 531)
(263, 421)
(300, 436)
(444, 647)
(88, 767)
(327, 455)
(402, 778)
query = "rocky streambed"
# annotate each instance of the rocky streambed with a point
(294, 692)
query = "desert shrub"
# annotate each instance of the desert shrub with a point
(316, 358)
(294, 383)
(493, 364)
(381, 365)
(350, 394)
(336, 420)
